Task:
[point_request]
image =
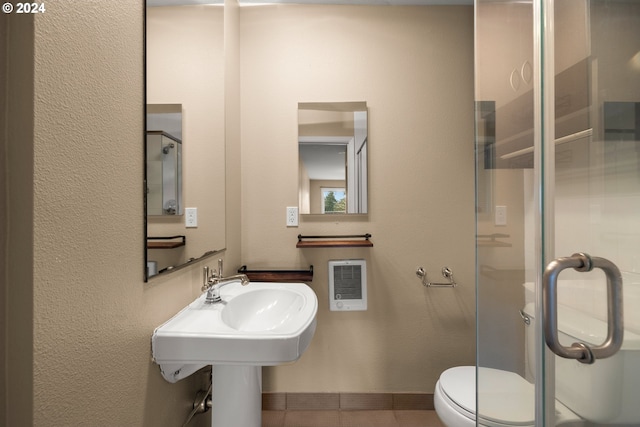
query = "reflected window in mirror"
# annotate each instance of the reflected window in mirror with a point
(332, 157)
(334, 200)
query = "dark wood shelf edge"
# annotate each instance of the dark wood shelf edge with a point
(168, 242)
(335, 244)
(278, 275)
(164, 245)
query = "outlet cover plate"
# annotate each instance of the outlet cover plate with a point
(190, 217)
(292, 216)
(500, 215)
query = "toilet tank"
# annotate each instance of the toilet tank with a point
(606, 391)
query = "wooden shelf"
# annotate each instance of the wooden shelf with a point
(278, 275)
(491, 240)
(359, 241)
(170, 242)
(335, 244)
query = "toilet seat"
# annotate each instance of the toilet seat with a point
(505, 398)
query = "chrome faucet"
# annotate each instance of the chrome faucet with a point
(214, 281)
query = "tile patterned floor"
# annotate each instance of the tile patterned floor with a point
(387, 418)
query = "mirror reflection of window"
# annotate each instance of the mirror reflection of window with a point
(334, 200)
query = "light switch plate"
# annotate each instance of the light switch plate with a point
(190, 217)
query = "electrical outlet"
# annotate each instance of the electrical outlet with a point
(500, 215)
(190, 217)
(292, 216)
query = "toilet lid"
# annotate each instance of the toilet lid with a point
(503, 397)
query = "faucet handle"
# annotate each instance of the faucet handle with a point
(220, 275)
(205, 281)
(209, 276)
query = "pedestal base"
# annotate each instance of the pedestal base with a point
(236, 396)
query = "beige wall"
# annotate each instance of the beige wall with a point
(80, 317)
(413, 66)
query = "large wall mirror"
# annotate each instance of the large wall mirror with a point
(185, 106)
(332, 148)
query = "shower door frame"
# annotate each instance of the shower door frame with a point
(544, 195)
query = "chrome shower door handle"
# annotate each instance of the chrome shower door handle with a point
(615, 320)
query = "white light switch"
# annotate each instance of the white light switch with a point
(500, 215)
(191, 217)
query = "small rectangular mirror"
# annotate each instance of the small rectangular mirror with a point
(332, 150)
(164, 159)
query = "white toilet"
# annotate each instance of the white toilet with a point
(605, 392)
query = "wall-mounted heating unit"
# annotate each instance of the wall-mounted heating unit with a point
(348, 285)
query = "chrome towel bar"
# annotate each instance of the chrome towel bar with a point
(446, 273)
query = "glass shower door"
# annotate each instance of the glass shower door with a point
(505, 244)
(558, 172)
(591, 191)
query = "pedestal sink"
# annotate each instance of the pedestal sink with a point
(261, 324)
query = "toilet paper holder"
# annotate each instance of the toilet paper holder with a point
(447, 273)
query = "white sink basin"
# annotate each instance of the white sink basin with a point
(262, 310)
(259, 324)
